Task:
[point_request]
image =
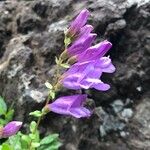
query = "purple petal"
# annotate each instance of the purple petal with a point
(70, 81)
(81, 44)
(94, 83)
(59, 109)
(110, 69)
(95, 52)
(106, 65)
(99, 85)
(102, 86)
(11, 128)
(78, 22)
(86, 30)
(64, 102)
(80, 112)
(67, 105)
(80, 98)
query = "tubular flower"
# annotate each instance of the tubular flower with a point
(81, 44)
(70, 105)
(78, 23)
(86, 74)
(95, 52)
(85, 30)
(10, 129)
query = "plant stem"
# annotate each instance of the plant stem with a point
(48, 99)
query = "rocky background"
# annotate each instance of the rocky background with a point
(31, 35)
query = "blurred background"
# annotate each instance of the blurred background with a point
(31, 35)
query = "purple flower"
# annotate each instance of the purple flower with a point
(81, 44)
(10, 129)
(85, 30)
(70, 105)
(95, 52)
(78, 23)
(86, 74)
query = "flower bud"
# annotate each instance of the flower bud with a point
(78, 23)
(10, 129)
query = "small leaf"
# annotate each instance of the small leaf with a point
(15, 141)
(9, 115)
(35, 144)
(32, 136)
(56, 60)
(55, 146)
(36, 113)
(65, 66)
(26, 138)
(3, 121)
(49, 139)
(6, 146)
(52, 146)
(52, 94)
(3, 106)
(67, 41)
(32, 126)
(48, 85)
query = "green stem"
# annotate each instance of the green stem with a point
(48, 100)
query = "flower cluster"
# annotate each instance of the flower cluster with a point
(88, 65)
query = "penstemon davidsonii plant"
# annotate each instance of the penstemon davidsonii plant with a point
(83, 64)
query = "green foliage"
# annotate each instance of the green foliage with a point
(36, 113)
(52, 94)
(23, 142)
(32, 140)
(67, 41)
(50, 142)
(65, 65)
(14, 141)
(3, 106)
(6, 114)
(6, 146)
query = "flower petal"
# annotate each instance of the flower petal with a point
(69, 105)
(11, 128)
(95, 52)
(78, 22)
(81, 44)
(80, 112)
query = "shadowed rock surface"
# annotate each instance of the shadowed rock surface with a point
(31, 35)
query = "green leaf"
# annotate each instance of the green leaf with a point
(49, 139)
(51, 142)
(65, 66)
(55, 146)
(35, 144)
(32, 126)
(15, 142)
(56, 60)
(36, 113)
(9, 115)
(6, 146)
(32, 136)
(52, 94)
(48, 85)
(52, 146)
(67, 41)
(26, 139)
(3, 121)
(3, 106)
